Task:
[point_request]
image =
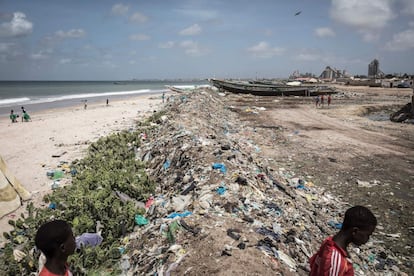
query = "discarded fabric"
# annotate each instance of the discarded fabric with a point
(88, 239)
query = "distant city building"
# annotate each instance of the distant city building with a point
(331, 73)
(373, 70)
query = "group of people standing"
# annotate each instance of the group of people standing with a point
(320, 100)
(25, 116)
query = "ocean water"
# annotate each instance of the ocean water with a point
(38, 95)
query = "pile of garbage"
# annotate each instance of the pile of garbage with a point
(219, 206)
(188, 191)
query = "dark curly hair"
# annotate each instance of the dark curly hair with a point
(51, 235)
(359, 216)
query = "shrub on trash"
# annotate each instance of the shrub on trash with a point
(109, 169)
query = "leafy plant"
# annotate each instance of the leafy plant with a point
(110, 166)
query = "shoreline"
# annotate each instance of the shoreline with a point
(27, 148)
(44, 106)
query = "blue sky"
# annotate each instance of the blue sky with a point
(112, 40)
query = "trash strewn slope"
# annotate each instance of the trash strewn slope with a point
(219, 207)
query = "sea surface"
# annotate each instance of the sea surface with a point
(41, 95)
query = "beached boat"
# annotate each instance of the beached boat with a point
(269, 89)
(176, 89)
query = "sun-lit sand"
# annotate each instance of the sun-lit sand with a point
(28, 147)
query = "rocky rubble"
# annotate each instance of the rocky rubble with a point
(404, 115)
(221, 208)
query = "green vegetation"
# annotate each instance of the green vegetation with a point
(110, 166)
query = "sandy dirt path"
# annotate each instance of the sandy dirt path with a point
(339, 147)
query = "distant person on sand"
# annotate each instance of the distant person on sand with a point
(107, 102)
(316, 101)
(332, 258)
(322, 100)
(13, 117)
(163, 97)
(85, 106)
(25, 115)
(329, 100)
(56, 241)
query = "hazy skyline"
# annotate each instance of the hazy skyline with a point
(120, 40)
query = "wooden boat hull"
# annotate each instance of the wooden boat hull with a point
(267, 89)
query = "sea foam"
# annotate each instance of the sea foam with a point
(11, 101)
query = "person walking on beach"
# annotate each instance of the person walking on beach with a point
(13, 117)
(332, 258)
(85, 106)
(107, 102)
(56, 241)
(316, 101)
(322, 100)
(329, 100)
(163, 97)
(23, 112)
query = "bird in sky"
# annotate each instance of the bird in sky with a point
(299, 12)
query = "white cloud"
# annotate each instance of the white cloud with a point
(138, 17)
(18, 26)
(74, 33)
(401, 41)
(192, 48)
(167, 45)
(368, 17)
(139, 37)
(324, 32)
(119, 9)
(192, 30)
(263, 50)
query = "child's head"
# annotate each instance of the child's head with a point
(360, 222)
(55, 239)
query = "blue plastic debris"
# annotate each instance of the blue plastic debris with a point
(220, 166)
(166, 165)
(221, 190)
(334, 224)
(302, 187)
(52, 206)
(182, 215)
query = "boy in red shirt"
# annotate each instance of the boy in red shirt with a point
(332, 257)
(56, 241)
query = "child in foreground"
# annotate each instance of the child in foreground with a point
(332, 258)
(56, 241)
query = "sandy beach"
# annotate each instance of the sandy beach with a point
(27, 147)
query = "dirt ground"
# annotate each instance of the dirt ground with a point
(350, 148)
